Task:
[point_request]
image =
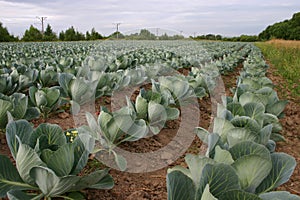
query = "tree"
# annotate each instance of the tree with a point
(33, 34)
(210, 37)
(248, 38)
(79, 36)
(295, 34)
(287, 29)
(5, 36)
(70, 34)
(95, 35)
(219, 37)
(49, 35)
(164, 37)
(146, 35)
(117, 35)
(61, 36)
(88, 36)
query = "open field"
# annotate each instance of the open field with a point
(149, 120)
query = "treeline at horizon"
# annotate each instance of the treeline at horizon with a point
(287, 29)
(35, 35)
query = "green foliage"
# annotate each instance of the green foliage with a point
(111, 129)
(17, 106)
(5, 36)
(143, 35)
(240, 149)
(208, 37)
(79, 90)
(279, 195)
(71, 35)
(32, 34)
(241, 38)
(49, 35)
(241, 139)
(285, 57)
(288, 29)
(9, 82)
(61, 36)
(13, 81)
(94, 35)
(174, 89)
(46, 99)
(46, 164)
(116, 35)
(173, 37)
(246, 170)
(154, 108)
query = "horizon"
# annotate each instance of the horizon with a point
(227, 18)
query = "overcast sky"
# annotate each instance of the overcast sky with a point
(225, 17)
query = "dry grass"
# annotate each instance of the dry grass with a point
(285, 43)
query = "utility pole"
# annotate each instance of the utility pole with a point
(42, 19)
(181, 34)
(157, 33)
(117, 25)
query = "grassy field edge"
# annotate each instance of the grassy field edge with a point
(284, 55)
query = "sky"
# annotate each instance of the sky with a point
(189, 17)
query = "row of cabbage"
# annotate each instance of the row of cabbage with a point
(62, 56)
(50, 83)
(240, 162)
(44, 163)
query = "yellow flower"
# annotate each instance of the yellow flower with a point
(75, 133)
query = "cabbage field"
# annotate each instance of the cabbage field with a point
(77, 116)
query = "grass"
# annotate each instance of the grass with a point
(285, 57)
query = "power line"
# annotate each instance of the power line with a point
(117, 26)
(42, 19)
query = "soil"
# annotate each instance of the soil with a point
(152, 185)
(291, 129)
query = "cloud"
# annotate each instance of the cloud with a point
(230, 17)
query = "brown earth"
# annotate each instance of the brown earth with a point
(291, 129)
(152, 185)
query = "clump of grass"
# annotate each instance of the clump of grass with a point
(285, 57)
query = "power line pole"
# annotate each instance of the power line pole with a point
(42, 19)
(117, 24)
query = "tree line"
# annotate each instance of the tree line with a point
(35, 35)
(242, 38)
(5, 36)
(288, 29)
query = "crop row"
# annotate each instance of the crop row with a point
(240, 162)
(247, 122)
